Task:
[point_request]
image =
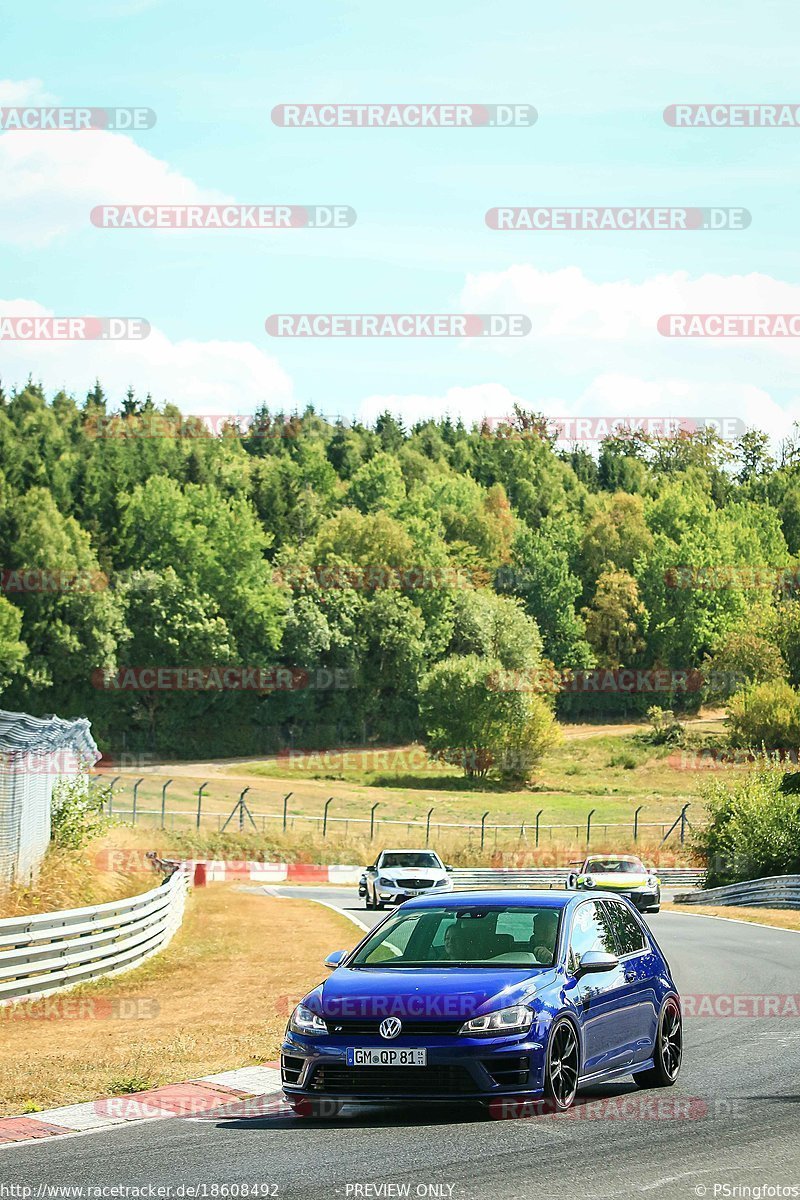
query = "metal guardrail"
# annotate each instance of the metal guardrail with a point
(48, 952)
(479, 877)
(776, 891)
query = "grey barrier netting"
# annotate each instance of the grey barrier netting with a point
(35, 752)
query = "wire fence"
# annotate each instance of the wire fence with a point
(484, 833)
(34, 754)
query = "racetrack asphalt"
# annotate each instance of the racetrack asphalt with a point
(732, 1121)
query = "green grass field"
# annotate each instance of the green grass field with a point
(611, 770)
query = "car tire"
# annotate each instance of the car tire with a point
(668, 1048)
(320, 1110)
(562, 1066)
(368, 902)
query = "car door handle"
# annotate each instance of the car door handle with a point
(630, 976)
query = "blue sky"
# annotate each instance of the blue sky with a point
(599, 76)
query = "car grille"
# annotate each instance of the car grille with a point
(415, 883)
(370, 1027)
(509, 1072)
(391, 1081)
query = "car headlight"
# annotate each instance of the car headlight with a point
(303, 1020)
(441, 883)
(384, 882)
(505, 1020)
(587, 881)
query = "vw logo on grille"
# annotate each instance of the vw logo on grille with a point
(390, 1028)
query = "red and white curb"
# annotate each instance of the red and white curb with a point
(248, 1092)
(222, 870)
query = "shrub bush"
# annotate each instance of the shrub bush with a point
(765, 716)
(76, 812)
(754, 826)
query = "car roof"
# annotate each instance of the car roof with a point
(613, 857)
(518, 898)
(408, 850)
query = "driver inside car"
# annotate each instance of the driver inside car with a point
(458, 944)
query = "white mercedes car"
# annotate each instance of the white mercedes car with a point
(397, 875)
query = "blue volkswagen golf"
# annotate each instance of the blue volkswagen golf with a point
(487, 996)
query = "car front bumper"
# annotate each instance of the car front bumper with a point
(457, 1069)
(398, 895)
(639, 897)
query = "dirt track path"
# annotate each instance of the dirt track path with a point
(221, 768)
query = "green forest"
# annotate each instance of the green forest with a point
(455, 585)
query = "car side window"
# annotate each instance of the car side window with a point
(627, 930)
(396, 943)
(591, 930)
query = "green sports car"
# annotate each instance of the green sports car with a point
(624, 874)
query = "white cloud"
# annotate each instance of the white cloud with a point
(200, 377)
(571, 312)
(16, 92)
(470, 403)
(611, 395)
(52, 179)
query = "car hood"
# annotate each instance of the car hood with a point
(412, 873)
(618, 880)
(432, 992)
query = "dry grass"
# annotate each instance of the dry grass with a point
(781, 918)
(76, 878)
(216, 999)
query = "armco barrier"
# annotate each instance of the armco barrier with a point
(47, 952)
(776, 891)
(345, 874)
(479, 877)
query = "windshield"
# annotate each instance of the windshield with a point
(411, 860)
(464, 937)
(606, 866)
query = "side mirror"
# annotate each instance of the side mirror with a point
(595, 961)
(447, 867)
(333, 960)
